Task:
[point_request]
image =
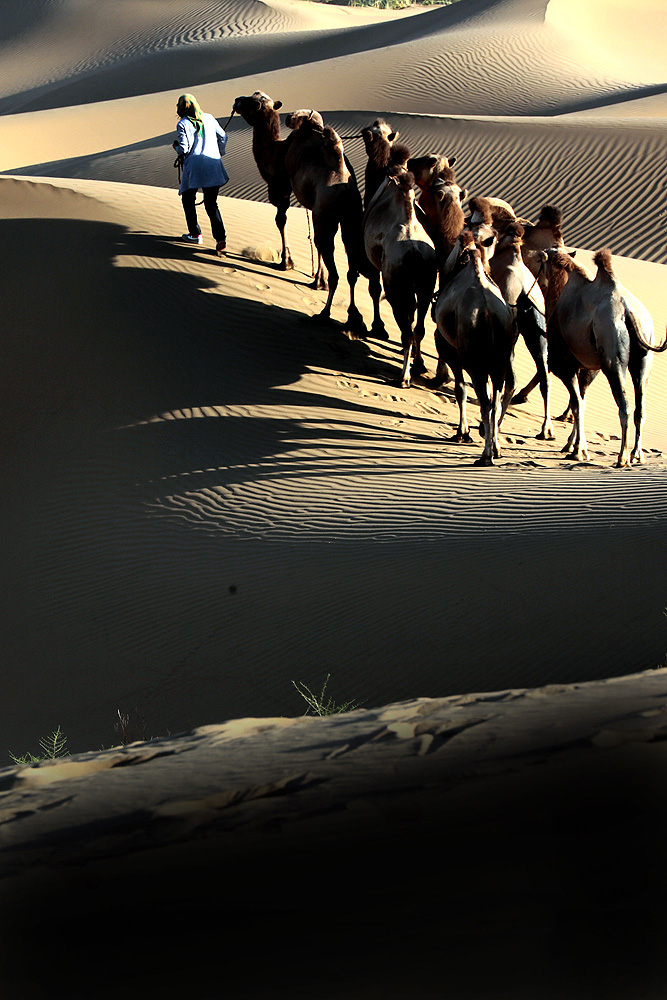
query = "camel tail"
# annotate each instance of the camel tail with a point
(633, 326)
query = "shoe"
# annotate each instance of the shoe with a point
(192, 239)
(220, 248)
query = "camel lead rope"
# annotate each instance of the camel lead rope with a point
(310, 239)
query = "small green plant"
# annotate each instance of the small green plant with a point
(321, 704)
(53, 746)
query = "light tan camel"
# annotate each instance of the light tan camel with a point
(399, 247)
(323, 182)
(268, 149)
(477, 333)
(597, 324)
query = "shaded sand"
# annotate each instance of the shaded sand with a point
(210, 495)
(506, 844)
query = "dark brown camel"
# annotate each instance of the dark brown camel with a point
(260, 112)
(323, 182)
(441, 200)
(478, 333)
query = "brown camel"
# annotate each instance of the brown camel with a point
(481, 223)
(399, 247)
(597, 324)
(478, 333)
(260, 112)
(524, 296)
(545, 234)
(441, 199)
(383, 152)
(323, 182)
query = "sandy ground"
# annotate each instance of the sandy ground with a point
(208, 494)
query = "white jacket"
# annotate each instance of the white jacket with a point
(202, 166)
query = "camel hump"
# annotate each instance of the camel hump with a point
(604, 263)
(480, 211)
(550, 216)
(513, 233)
(400, 154)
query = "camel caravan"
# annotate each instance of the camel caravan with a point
(486, 275)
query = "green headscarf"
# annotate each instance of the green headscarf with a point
(188, 107)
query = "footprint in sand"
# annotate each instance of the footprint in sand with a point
(263, 288)
(228, 270)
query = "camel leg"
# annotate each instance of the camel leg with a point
(489, 411)
(615, 372)
(319, 282)
(404, 315)
(534, 336)
(461, 394)
(281, 201)
(355, 321)
(640, 369)
(357, 263)
(324, 241)
(510, 385)
(522, 395)
(576, 445)
(424, 296)
(443, 372)
(378, 329)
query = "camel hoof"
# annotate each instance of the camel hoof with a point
(286, 265)
(379, 332)
(519, 399)
(418, 368)
(319, 285)
(459, 438)
(565, 417)
(484, 461)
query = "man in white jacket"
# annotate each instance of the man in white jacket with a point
(200, 142)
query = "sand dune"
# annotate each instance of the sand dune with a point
(209, 494)
(203, 484)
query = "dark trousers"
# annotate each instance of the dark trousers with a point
(212, 210)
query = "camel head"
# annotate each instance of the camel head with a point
(558, 266)
(428, 169)
(512, 236)
(378, 139)
(256, 107)
(379, 131)
(402, 182)
(305, 119)
(445, 192)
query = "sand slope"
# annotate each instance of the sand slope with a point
(208, 494)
